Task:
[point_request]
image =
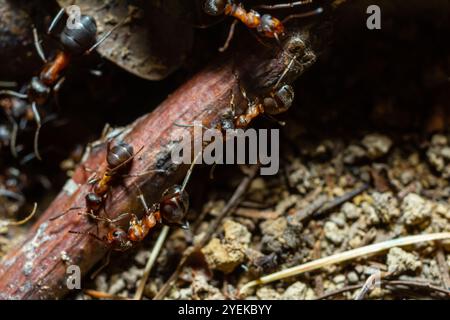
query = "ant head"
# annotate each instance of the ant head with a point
(79, 38)
(93, 201)
(174, 206)
(119, 154)
(280, 100)
(118, 238)
(215, 7)
(38, 91)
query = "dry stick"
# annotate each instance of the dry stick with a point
(229, 207)
(345, 256)
(408, 283)
(443, 267)
(151, 261)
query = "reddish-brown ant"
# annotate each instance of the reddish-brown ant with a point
(279, 100)
(266, 25)
(171, 210)
(75, 40)
(117, 158)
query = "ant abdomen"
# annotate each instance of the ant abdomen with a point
(174, 206)
(81, 37)
(279, 101)
(119, 154)
(215, 7)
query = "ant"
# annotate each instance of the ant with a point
(117, 158)
(266, 25)
(74, 40)
(277, 101)
(171, 210)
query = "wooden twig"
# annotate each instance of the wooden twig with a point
(151, 261)
(345, 256)
(390, 283)
(443, 267)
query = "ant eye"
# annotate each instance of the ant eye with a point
(215, 7)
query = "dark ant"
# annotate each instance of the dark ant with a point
(77, 40)
(171, 210)
(117, 159)
(266, 25)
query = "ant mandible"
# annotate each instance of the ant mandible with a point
(171, 210)
(266, 25)
(77, 39)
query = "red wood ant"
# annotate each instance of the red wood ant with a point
(117, 158)
(74, 40)
(279, 100)
(171, 210)
(266, 25)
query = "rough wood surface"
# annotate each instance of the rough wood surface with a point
(37, 268)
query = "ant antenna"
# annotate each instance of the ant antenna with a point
(303, 15)
(56, 20)
(87, 234)
(38, 46)
(127, 161)
(61, 214)
(107, 35)
(37, 118)
(283, 5)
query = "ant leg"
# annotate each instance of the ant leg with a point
(142, 173)
(13, 141)
(190, 125)
(37, 118)
(283, 5)
(56, 89)
(61, 214)
(141, 197)
(188, 174)
(55, 20)
(303, 15)
(106, 35)
(230, 36)
(37, 45)
(105, 263)
(8, 84)
(286, 70)
(272, 118)
(12, 93)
